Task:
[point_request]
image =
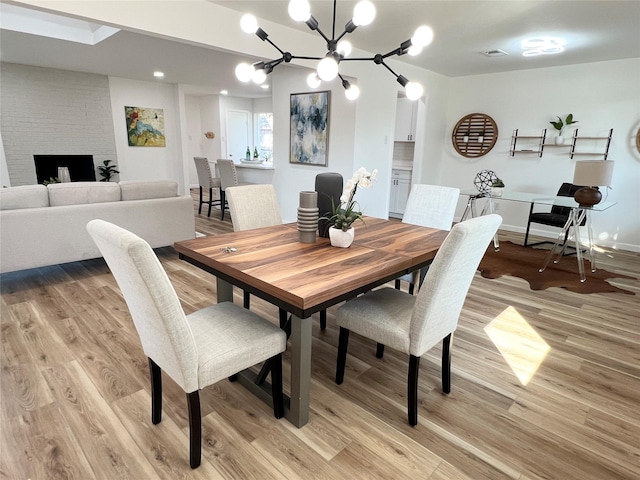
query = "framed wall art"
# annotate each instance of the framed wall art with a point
(145, 127)
(309, 128)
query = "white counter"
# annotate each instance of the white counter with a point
(250, 172)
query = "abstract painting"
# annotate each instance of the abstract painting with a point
(309, 128)
(145, 127)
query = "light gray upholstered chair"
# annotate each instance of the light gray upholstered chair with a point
(253, 206)
(428, 206)
(195, 350)
(207, 181)
(228, 177)
(414, 324)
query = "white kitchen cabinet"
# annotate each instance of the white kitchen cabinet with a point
(400, 188)
(406, 115)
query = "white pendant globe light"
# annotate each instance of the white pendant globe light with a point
(244, 72)
(413, 90)
(313, 81)
(327, 69)
(299, 10)
(352, 92)
(259, 76)
(422, 37)
(249, 23)
(363, 13)
(344, 48)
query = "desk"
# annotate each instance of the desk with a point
(577, 215)
(305, 278)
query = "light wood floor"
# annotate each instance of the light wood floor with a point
(545, 385)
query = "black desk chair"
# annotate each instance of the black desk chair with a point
(557, 217)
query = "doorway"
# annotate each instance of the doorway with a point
(238, 137)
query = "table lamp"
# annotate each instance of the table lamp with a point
(592, 174)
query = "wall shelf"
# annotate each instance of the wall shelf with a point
(528, 141)
(595, 140)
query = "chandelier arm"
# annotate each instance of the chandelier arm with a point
(273, 45)
(349, 59)
(306, 58)
(388, 68)
(326, 39)
(333, 32)
(396, 51)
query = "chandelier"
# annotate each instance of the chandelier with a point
(338, 50)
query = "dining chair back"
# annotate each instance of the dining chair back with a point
(414, 324)
(428, 206)
(329, 188)
(228, 177)
(195, 350)
(253, 206)
(207, 182)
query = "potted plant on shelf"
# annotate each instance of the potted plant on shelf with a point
(341, 232)
(107, 171)
(560, 125)
(497, 187)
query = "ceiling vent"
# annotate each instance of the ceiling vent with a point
(495, 53)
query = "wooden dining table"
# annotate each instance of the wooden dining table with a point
(305, 278)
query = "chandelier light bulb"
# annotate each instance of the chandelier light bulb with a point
(422, 37)
(352, 92)
(363, 13)
(299, 10)
(249, 23)
(344, 48)
(413, 90)
(327, 69)
(313, 81)
(414, 50)
(244, 72)
(259, 76)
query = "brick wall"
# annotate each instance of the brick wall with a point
(53, 112)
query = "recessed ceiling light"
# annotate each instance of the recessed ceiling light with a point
(224, 92)
(542, 46)
(495, 53)
(158, 74)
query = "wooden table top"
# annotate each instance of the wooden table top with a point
(304, 278)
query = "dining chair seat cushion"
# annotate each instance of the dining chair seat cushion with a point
(230, 338)
(383, 314)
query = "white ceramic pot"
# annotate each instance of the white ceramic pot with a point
(496, 191)
(340, 238)
(559, 140)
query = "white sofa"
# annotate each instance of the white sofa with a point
(42, 226)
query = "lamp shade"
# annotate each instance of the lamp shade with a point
(593, 173)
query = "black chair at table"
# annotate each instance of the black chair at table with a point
(557, 217)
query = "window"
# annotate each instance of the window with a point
(264, 134)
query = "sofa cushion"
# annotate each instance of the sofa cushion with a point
(24, 196)
(75, 193)
(144, 190)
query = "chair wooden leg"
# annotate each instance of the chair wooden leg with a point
(397, 284)
(200, 205)
(343, 343)
(285, 324)
(446, 363)
(411, 287)
(195, 428)
(247, 300)
(276, 385)
(156, 392)
(379, 350)
(210, 201)
(223, 203)
(412, 390)
(323, 319)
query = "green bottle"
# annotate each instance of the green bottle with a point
(255, 153)
(248, 154)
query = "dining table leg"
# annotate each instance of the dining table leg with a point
(224, 290)
(300, 349)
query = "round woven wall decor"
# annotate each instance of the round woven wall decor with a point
(474, 135)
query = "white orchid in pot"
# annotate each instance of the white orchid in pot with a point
(343, 215)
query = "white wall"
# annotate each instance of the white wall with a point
(600, 95)
(148, 163)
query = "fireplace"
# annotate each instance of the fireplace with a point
(80, 167)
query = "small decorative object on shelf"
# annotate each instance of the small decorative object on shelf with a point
(63, 174)
(247, 155)
(497, 187)
(344, 214)
(560, 126)
(107, 171)
(255, 153)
